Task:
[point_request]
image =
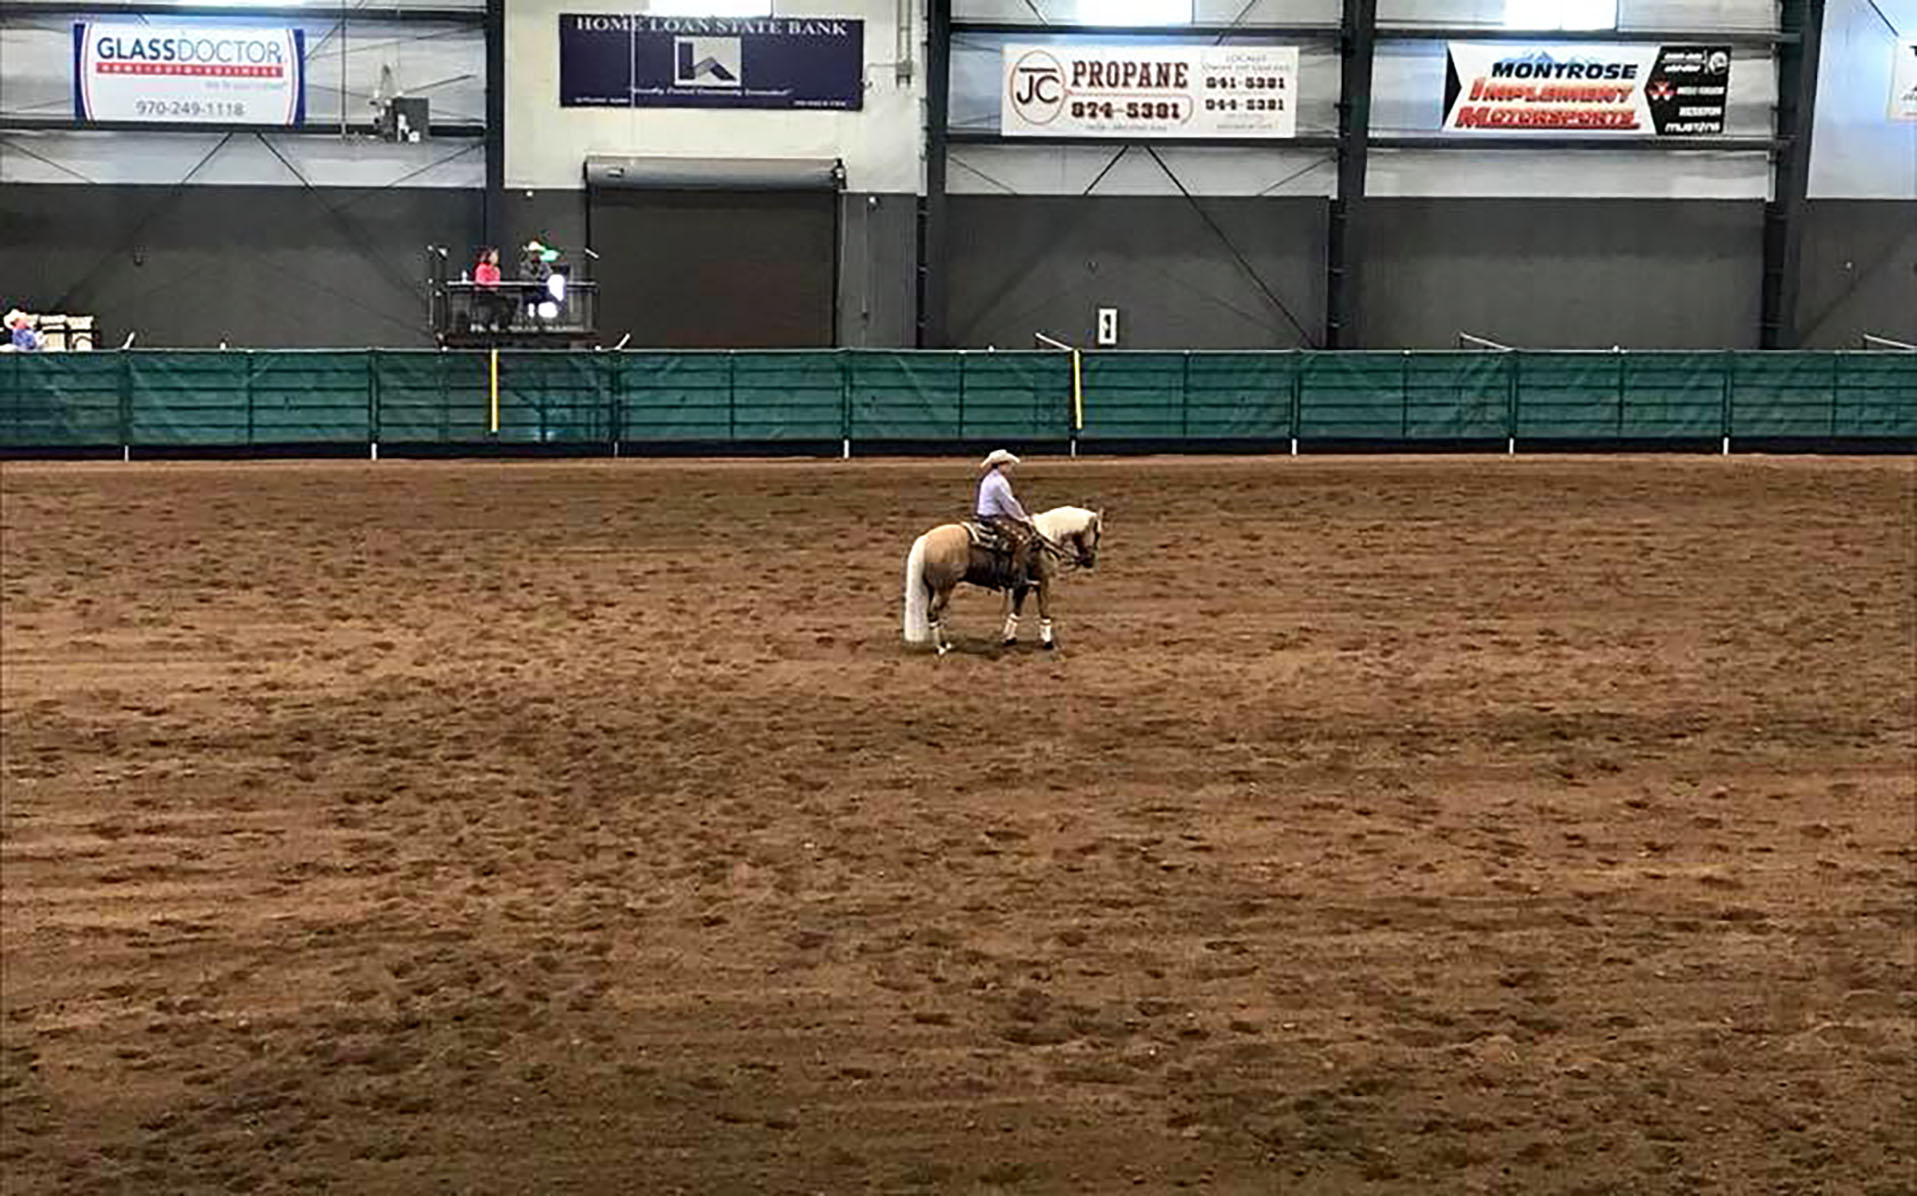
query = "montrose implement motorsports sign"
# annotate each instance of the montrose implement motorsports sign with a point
(1628, 90)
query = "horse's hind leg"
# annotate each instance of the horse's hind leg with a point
(1015, 603)
(941, 598)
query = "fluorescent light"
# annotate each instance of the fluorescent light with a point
(709, 8)
(1560, 14)
(1134, 12)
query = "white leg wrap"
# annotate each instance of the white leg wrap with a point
(1045, 631)
(1011, 627)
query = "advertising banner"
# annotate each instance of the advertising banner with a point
(1903, 82)
(1635, 90)
(1144, 91)
(632, 61)
(174, 74)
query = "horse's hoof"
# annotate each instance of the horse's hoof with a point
(1008, 643)
(1049, 645)
(944, 648)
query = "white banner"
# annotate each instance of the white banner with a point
(1145, 91)
(188, 74)
(1632, 90)
(1903, 82)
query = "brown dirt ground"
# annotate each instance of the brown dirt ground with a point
(1395, 825)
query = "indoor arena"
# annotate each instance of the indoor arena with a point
(982, 596)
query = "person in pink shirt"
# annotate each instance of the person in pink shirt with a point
(488, 304)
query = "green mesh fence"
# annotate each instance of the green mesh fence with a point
(909, 397)
(236, 399)
(1876, 396)
(431, 398)
(1240, 396)
(554, 398)
(309, 398)
(60, 400)
(961, 396)
(1017, 397)
(674, 397)
(1353, 396)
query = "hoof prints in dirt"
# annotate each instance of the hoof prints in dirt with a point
(540, 827)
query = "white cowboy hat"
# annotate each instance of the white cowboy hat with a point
(15, 316)
(998, 457)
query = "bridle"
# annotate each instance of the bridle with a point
(1069, 561)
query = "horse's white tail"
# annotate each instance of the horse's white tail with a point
(918, 600)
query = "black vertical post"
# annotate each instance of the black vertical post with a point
(1730, 384)
(1619, 434)
(1344, 247)
(1297, 392)
(126, 400)
(1184, 398)
(932, 282)
(1514, 384)
(1797, 61)
(493, 217)
(615, 396)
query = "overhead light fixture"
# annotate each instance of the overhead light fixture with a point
(1134, 12)
(1548, 15)
(709, 8)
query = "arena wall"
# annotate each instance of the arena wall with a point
(1205, 247)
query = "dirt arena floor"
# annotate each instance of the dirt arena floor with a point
(1385, 825)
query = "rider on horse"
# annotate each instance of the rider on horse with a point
(997, 508)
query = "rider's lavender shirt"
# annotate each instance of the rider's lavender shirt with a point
(995, 498)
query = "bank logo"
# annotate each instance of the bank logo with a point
(1038, 88)
(705, 61)
(1719, 63)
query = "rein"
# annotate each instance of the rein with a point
(1068, 560)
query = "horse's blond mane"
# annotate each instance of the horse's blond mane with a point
(1064, 521)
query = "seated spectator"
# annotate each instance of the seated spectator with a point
(24, 339)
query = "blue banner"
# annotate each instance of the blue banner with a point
(621, 61)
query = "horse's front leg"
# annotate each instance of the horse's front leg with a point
(1016, 602)
(1045, 639)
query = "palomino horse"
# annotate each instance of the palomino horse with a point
(945, 556)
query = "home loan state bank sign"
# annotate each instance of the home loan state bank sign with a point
(613, 60)
(1630, 90)
(1149, 91)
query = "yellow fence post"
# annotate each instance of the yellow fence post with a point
(494, 389)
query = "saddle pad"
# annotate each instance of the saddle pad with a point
(984, 535)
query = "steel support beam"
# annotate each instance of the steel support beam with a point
(1344, 247)
(493, 217)
(933, 282)
(1797, 63)
(1479, 33)
(286, 12)
(1247, 32)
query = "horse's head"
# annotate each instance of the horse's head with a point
(1085, 540)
